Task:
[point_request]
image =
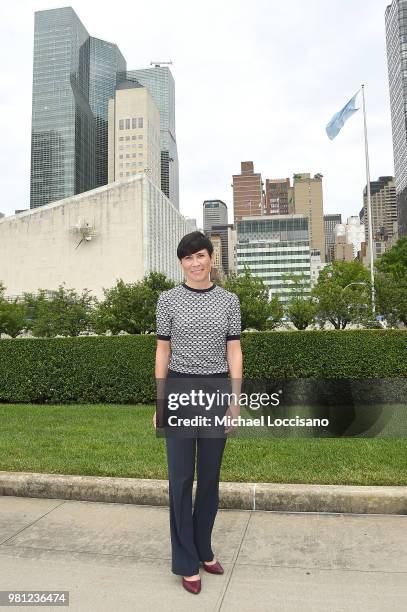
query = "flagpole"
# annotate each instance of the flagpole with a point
(369, 204)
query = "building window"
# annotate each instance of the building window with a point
(127, 137)
(121, 173)
(127, 124)
(121, 138)
(140, 163)
(121, 156)
(121, 147)
(134, 123)
(127, 154)
(140, 122)
(121, 124)
(134, 137)
(121, 166)
(127, 173)
(134, 155)
(141, 137)
(140, 146)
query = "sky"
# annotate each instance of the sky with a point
(254, 81)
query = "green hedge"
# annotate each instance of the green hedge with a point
(120, 369)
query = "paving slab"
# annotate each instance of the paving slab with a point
(326, 541)
(114, 529)
(98, 585)
(116, 557)
(266, 589)
(17, 515)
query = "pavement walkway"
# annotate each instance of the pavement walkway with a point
(115, 557)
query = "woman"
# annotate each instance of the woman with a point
(198, 335)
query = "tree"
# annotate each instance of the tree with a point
(301, 312)
(12, 318)
(130, 307)
(394, 261)
(300, 307)
(63, 312)
(391, 298)
(391, 283)
(257, 310)
(158, 282)
(343, 294)
(12, 315)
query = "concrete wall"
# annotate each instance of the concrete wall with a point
(39, 250)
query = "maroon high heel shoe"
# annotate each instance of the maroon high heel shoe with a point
(215, 568)
(192, 586)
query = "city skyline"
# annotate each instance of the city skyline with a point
(282, 130)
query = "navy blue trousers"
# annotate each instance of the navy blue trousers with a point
(191, 531)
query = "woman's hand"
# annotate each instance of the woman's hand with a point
(232, 413)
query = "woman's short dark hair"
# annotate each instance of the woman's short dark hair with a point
(192, 243)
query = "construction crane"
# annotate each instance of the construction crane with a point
(158, 64)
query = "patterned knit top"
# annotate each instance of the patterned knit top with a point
(198, 323)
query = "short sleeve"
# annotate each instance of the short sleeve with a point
(163, 318)
(234, 328)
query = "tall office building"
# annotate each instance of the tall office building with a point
(396, 29)
(226, 234)
(134, 134)
(217, 256)
(308, 201)
(248, 197)
(160, 83)
(272, 247)
(215, 212)
(384, 213)
(277, 196)
(190, 224)
(73, 77)
(329, 227)
(106, 62)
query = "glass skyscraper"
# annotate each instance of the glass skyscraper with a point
(106, 63)
(396, 40)
(73, 77)
(160, 83)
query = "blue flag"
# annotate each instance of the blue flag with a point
(338, 120)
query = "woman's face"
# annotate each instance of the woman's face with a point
(197, 266)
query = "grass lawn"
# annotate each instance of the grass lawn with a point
(119, 440)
